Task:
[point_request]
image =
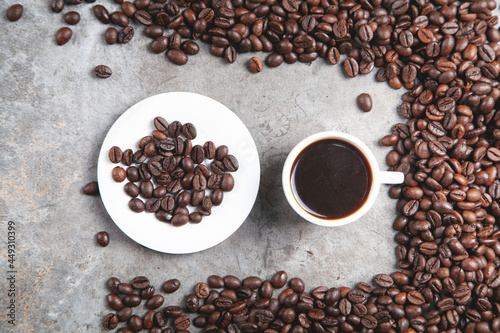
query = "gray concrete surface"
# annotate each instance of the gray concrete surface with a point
(54, 115)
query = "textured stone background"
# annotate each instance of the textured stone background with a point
(54, 115)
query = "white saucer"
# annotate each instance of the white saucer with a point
(213, 122)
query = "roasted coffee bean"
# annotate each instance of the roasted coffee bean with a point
(177, 57)
(56, 6)
(135, 323)
(351, 67)
(126, 34)
(182, 323)
(111, 321)
(132, 300)
(159, 45)
(91, 188)
(364, 102)
(155, 302)
(101, 13)
(255, 65)
(115, 302)
(230, 163)
(118, 174)
(102, 71)
(102, 238)
(111, 36)
(63, 35)
(71, 18)
(126, 288)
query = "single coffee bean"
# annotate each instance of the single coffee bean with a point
(72, 18)
(14, 12)
(171, 286)
(118, 174)
(177, 57)
(180, 220)
(63, 35)
(102, 71)
(132, 300)
(135, 323)
(230, 163)
(111, 36)
(351, 67)
(155, 302)
(159, 45)
(136, 205)
(102, 238)
(125, 35)
(190, 47)
(227, 183)
(189, 131)
(114, 302)
(119, 19)
(255, 65)
(91, 188)
(101, 14)
(111, 321)
(56, 6)
(364, 102)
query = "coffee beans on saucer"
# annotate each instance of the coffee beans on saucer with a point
(172, 176)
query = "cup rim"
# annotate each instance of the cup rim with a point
(370, 157)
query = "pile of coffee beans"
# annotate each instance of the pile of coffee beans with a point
(171, 174)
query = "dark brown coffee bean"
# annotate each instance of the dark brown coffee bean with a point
(177, 57)
(119, 19)
(111, 36)
(171, 286)
(351, 67)
(71, 18)
(101, 13)
(230, 163)
(114, 302)
(111, 321)
(102, 238)
(159, 45)
(125, 35)
(91, 188)
(155, 302)
(63, 35)
(102, 71)
(135, 323)
(143, 17)
(182, 323)
(364, 102)
(140, 282)
(57, 6)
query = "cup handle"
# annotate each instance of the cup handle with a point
(391, 177)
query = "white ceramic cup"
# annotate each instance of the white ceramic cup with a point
(378, 177)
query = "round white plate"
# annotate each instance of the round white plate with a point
(213, 122)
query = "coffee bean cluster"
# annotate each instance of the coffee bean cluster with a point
(126, 297)
(171, 174)
(229, 304)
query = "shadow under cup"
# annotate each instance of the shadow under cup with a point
(331, 179)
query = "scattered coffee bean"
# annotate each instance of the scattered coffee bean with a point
(365, 102)
(102, 71)
(91, 188)
(63, 35)
(14, 12)
(102, 238)
(72, 18)
(255, 65)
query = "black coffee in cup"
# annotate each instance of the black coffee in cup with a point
(331, 179)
